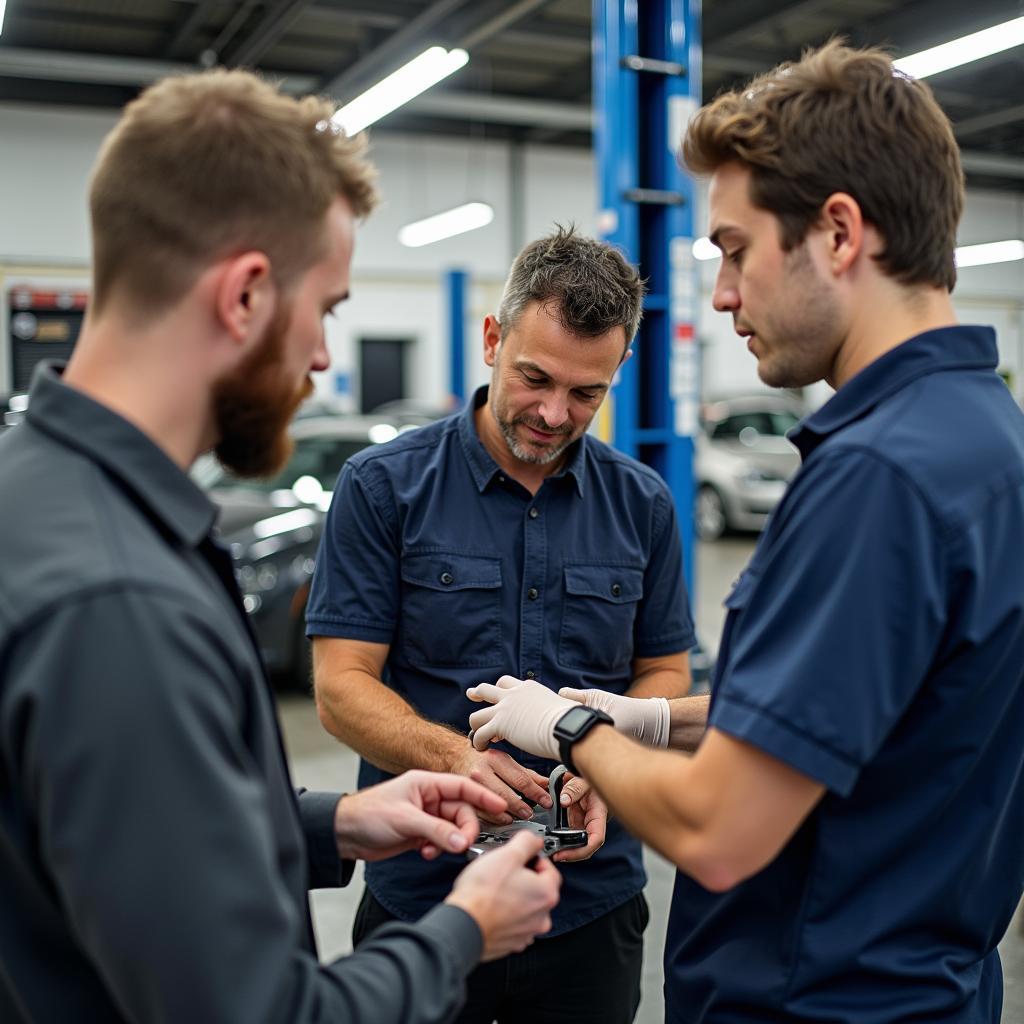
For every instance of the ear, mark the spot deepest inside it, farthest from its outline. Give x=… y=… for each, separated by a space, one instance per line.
x=245 y=296
x=492 y=339
x=626 y=358
x=843 y=225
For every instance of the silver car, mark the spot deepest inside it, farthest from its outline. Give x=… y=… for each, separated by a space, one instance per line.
x=743 y=462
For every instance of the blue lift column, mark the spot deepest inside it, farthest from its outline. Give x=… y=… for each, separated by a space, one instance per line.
x=455 y=289
x=647 y=80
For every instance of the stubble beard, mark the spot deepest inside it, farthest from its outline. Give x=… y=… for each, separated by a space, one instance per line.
x=253 y=407
x=541 y=457
x=800 y=344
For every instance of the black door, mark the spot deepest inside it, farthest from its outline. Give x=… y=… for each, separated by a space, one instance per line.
x=381 y=371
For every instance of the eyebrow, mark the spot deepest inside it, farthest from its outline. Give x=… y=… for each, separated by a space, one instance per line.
x=525 y=364
x=715 y=238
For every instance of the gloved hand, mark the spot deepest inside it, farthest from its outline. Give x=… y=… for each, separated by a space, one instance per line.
x=646 y=719
x=523 y=712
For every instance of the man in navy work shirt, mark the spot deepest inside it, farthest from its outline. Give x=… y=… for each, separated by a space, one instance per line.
x=507 y=539
x=848 y=832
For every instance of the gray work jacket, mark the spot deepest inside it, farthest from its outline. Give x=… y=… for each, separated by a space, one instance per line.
x=154 y=857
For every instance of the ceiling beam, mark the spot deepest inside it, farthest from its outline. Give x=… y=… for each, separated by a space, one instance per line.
x=57 y=66
x=393 y=49
x=274 y=23
x=494 y=25
x=737 y=22
x=995 y=119
x=472 y=106
x=996 y=164
x=196 y=18
x=576 y=43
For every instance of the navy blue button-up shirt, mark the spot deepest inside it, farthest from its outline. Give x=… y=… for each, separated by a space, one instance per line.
x=876 y=644
x=429 y=547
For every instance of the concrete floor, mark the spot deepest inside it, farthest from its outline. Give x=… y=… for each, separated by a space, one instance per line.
x=319 y=762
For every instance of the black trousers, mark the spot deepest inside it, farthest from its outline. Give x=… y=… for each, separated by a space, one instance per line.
x=587 y=976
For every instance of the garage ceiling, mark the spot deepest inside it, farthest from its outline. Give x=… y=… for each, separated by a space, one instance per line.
x=529 y=71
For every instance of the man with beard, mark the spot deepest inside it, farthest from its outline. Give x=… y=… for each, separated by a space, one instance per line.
x=506 y=538
x=848 y=832
x=154 y=858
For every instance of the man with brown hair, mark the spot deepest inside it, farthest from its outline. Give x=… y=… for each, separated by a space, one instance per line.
x=848 y=831
x=154 y=858
x=507 y=538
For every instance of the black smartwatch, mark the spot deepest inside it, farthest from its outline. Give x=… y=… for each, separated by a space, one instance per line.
x=573 y=726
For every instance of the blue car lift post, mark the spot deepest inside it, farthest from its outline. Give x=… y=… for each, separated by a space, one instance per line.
x=647 y=82
x=455 y=282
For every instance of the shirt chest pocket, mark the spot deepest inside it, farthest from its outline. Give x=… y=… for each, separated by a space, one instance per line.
x=451 y=610
x=736 y=600
x=598 y=615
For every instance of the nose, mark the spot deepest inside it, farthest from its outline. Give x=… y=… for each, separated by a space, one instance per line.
x=554 y=409
x=321 y=357
x=726 y=296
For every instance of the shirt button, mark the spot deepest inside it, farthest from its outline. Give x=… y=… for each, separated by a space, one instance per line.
x=534 y=513
x=531 y=674
x=616 y=590
x=446 y=578
x=533 y=593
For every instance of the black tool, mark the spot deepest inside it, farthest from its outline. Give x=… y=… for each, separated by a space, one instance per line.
x=556 y=831
x=567 y=837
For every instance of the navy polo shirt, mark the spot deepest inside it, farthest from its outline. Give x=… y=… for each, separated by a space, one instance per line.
x=429 y=547
x=875 y=643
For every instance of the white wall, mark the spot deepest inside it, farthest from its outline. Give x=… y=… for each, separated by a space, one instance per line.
x=45 y=157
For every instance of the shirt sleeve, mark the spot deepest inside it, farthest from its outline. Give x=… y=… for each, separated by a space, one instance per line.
x=833 y=626
x=356 y=589
x=664 y=624
x=154 y=831
x=326 y=869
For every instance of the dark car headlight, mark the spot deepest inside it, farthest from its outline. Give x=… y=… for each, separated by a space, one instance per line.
x=255 y=579
x=753 y=475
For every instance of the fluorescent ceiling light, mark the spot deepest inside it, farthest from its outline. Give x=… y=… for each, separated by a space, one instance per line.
x=963 y=50
x=444 y=225
x=705 y=249
x=429 y=68
x=3 y=4
x=989 y=252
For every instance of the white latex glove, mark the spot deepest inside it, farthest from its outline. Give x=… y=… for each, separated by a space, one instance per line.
x=646 y=719
x=523 y=712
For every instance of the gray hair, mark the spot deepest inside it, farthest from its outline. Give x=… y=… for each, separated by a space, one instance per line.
x=591 y=283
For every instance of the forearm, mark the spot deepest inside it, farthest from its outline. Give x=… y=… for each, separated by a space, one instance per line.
x=648 y=791
x=407 y=973
x=665 y=676
x=383 y=727
x=688 y=722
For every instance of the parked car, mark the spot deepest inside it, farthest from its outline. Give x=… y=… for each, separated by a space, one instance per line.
x=273 y=527
x=743 y=462
x=13 y=408
x=413 y=412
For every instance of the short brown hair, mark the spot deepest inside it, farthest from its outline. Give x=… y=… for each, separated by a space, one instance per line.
x=844 y=120
x=203 y=165
x=592 y=285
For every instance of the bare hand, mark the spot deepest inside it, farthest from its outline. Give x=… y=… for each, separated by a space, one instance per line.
x=587 y=811
x=510 y=902
x=421 y=810
x=506 y=777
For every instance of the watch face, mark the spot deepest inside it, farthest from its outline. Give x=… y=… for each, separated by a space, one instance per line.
x=574 y=720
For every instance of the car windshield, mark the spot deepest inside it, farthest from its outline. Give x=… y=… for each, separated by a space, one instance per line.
x=774 y=423
x=318 y=457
